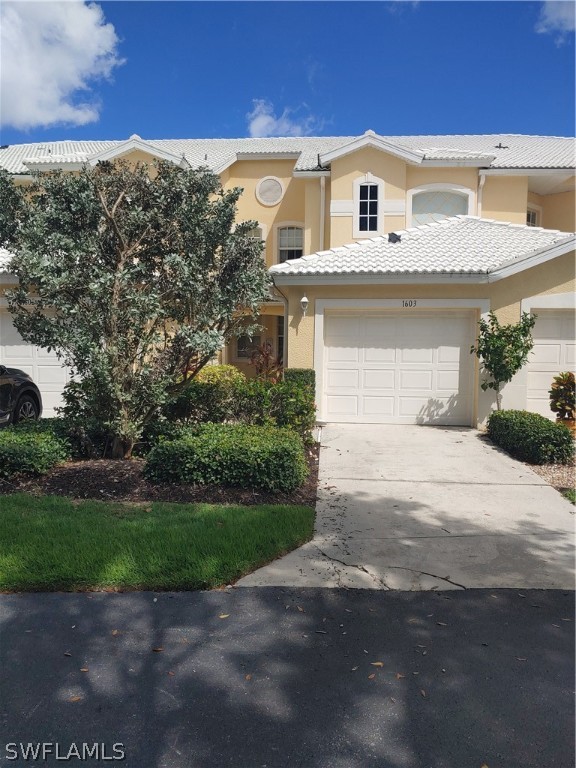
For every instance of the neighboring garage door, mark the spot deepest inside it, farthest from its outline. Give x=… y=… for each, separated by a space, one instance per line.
x=395 y=369
x=44 y=367
x=553 y=352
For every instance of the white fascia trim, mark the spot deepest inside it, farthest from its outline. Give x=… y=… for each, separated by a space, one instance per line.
x=549 y=301
x=310 y=174
x=409 y=279
x=267 y=155
x=539 y=257
x=321 y=305
x=376 y=142
x=454 y=163
x=136 y=144
x=527 y=172
x=56 y=166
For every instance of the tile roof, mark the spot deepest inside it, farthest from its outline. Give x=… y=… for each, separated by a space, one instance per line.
x=492 y=150
x=461 y=245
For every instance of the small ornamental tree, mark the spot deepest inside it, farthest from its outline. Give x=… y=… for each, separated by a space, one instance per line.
x=503 y=350
x=136 y=276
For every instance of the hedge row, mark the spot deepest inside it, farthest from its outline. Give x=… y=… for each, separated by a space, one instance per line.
x=24 y=451
x=531 y=437
x=231 y=455
x=218 y=396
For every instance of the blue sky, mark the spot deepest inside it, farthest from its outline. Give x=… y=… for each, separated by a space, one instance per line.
x=232 y=69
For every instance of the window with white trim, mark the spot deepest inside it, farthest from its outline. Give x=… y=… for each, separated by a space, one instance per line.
x=435 y=205
x=368 y=208
x=290 y=243
x=245 y=346
x=280 y=337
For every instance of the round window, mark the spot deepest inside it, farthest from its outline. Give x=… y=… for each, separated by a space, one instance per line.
x=269 y=190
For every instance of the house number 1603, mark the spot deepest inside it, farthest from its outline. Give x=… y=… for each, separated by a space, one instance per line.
x=408 y=302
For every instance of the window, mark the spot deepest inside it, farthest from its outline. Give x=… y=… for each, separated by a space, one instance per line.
x=280 y=335
x=533 y=217
x=368 y=199
x=368 y=208
x=428 y=207
x=246 y=345
x=256 y=233
x=290 y=243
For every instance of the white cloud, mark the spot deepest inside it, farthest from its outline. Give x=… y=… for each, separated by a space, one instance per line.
x=51 y=52
x=556 y=17
x=262 y=121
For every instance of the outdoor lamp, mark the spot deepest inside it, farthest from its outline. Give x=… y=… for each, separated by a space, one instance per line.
x=304 y=304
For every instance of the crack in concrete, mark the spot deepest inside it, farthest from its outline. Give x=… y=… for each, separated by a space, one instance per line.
x=379 y=579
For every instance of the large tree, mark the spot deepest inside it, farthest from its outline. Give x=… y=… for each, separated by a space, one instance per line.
x=135 y=276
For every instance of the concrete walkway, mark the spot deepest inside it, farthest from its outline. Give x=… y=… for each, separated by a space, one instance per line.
x=420 y=508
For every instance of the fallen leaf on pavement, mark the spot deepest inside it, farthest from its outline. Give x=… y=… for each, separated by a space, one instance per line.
x=520 y=658
x=377 y=663
x=248 y=677
x=299 y=607
x=399 y=676
x=353 y=669
x=423 y=692
x=157 y=650
x=114 y=632
x=67 y=653
x=83 y=669
x=75 y=698
x=441 y=624
x=223 y=615
x=372 y=676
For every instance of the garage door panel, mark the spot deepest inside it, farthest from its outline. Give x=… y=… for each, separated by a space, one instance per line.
x=384 y=354
x=343 y=378
x=375 y=379
x=412 y=379
x=343 y=354
x=422 y=372
x=378 y=406
x=343 y=406
x=553 y=352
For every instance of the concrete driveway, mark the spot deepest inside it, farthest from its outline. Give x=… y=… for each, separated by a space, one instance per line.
x=421 y=508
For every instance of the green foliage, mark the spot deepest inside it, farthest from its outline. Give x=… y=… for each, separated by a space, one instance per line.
x=82 y=441
x=531 y=437
x=248 y=401
x=225 y=375
x=231 y=455
x=302 y=376
x=29 y=451
x=136 y=279
x=503 y=349
x=563 y=395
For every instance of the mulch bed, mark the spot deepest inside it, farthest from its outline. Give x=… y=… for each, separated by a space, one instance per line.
x=106 y=479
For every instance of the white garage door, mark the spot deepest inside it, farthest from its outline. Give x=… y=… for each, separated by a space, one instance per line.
x=553 y=352
x=394 y=369
x=44 y=367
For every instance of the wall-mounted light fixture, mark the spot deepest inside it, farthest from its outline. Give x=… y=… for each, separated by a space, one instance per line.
x=304 y=304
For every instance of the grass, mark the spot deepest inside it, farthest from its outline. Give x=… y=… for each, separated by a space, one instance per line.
x=53 y=543
x=570 y=494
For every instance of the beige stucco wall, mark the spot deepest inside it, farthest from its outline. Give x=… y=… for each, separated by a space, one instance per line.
x=466 y=177
x=291 y=209
x=505 y=198
x=559 y=211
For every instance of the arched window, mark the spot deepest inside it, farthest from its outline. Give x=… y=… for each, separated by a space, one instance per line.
x=368 y=191
x=290 y=241
x=435 y=202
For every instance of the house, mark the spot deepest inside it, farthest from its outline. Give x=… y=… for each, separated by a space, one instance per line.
x=384 y=251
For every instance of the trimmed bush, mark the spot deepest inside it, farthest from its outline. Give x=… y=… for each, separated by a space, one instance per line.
x=531 y=437
x=30 y=451
x=210 y=396
x=231 y=455
x=304 y=377
x=81 y=442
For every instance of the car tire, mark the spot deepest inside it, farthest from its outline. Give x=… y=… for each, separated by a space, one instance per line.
x=26 y=410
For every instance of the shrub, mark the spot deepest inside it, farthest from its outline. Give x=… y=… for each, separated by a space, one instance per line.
x=563 y=395
x=210 y=396
x=305 y=377
x=81 y=442
x=30 y=451
x=292 y=405
x=231 y=455
x=531 y=437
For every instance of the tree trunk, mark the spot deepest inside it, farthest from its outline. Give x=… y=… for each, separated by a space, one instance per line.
x=122 y=448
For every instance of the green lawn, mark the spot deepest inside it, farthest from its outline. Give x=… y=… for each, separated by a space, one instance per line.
x=55 y=543
x=570 y=495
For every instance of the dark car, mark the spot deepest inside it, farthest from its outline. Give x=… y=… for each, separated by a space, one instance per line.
x=20 y=398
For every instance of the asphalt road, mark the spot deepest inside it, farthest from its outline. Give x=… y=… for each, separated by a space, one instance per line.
x=290 y=678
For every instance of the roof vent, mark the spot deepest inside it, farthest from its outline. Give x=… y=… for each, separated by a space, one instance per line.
x=501 y=146
x=394 y=238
